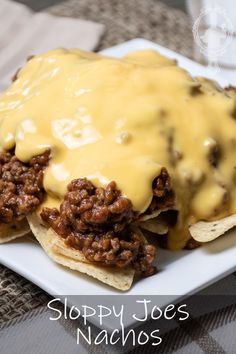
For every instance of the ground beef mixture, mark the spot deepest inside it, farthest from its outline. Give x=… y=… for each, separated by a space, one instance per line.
x=163 y=195
x=21 y=185
x=230 y=88
x=192 y=244
x=98 y=221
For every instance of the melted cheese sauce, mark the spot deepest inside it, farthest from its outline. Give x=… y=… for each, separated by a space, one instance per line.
x=123 y=120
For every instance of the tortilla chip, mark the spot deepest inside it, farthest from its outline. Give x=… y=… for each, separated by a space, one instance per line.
x=154 y=226
x=60 y=247
x=204 y=231
x=9 y=232
x=56 y=249
x=151 y=216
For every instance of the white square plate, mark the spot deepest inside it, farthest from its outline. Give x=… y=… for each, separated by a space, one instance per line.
x=180 y=273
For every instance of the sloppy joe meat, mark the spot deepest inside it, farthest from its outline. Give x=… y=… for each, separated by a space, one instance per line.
x=21 y=185
x=99 y=222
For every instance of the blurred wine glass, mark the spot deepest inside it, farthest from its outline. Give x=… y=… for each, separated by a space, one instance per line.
x=214 y=30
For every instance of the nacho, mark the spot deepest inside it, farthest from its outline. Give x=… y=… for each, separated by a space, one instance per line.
x=9 y=232
x=155 y=226
x=204 y=231
x=55 y=248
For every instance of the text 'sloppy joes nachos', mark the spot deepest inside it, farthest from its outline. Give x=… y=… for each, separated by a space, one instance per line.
x=94 y=150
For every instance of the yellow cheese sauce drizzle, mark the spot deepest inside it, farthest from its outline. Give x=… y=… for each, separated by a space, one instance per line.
x=123 y=120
